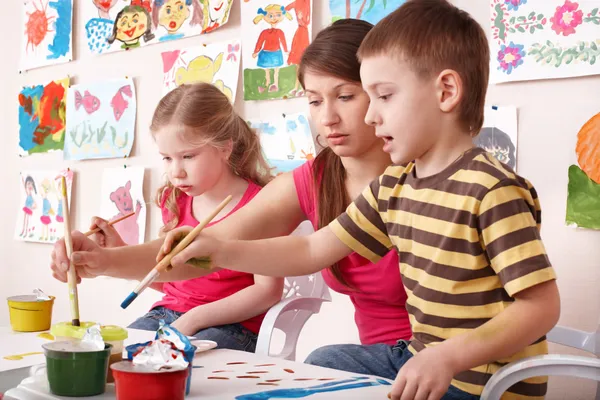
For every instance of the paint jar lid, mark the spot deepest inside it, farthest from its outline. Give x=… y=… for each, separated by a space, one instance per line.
x=27 y=298
x=69 y=346
x=110 y=333
x=128 y=366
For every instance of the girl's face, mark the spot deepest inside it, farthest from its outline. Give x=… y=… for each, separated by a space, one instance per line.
x=274 y=16
x=104 y=5
x=173 y=14
x=131 y=26
x=338 y=108
x=29 y=187
x=194 y=169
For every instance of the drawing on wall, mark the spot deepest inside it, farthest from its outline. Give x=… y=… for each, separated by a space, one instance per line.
x=101 y=120
x=217 y=63
x=47 y=38
x=41 y=217
x=122 y=194
x=115 y=25
x=544 y=39
x=274 y=37
x=499 y=134
x=42 y=112
x=583 y=195
x=287 y=141
x=372 y=11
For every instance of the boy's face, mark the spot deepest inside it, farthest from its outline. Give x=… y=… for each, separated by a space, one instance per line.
x=403 y=108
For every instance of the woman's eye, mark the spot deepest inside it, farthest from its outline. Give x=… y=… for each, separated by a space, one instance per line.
x=188 y=157
x=166 y=158
x=346 y=98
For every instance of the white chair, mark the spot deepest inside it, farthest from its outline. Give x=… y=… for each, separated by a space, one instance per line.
x=302 y=297
x=551 y=364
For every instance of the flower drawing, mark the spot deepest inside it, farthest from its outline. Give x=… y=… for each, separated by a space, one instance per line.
x=566 y=18
x=510 y=57
x=514 y=4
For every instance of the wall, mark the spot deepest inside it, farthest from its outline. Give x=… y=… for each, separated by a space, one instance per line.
x=550 y=114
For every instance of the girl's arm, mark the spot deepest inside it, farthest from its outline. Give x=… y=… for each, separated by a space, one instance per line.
x=241 y=306
x=260 y=42
x=282 y=40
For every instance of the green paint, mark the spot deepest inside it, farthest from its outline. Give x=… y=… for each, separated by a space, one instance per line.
x=583 y=200
x=548 y=53
x=253 y=78
x=498 y=21
x=198 y=262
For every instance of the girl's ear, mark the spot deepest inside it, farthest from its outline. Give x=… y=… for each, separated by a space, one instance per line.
x=227 y=150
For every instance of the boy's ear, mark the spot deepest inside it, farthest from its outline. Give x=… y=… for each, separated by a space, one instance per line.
x=449 y=89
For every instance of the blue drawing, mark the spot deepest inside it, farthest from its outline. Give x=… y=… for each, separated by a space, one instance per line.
x=98 y=30
x=372 y=11
x=61 y=45
x=297 y=393
x=169 y=37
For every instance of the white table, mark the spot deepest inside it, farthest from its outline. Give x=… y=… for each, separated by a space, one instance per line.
x=215 y=363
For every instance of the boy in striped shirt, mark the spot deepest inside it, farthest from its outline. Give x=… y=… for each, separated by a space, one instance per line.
x=481 y=290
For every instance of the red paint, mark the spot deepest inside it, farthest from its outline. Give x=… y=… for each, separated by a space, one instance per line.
x=237 y=363
x=289 y=371
x=37 y=27
x=172 y=24
x=264 y=365
x=257 y=372
x=218 y=377
x=50 y=120
x=150 y=386
x=248 y=377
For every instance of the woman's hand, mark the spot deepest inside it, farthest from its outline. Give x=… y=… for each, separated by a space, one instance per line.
x=89 y=259
x=171 y=239
x=202 y=247
x=107 y=236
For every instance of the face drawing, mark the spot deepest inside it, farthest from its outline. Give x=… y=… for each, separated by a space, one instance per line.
x=173 y=14
x=131 y=26
x=217 y=9
x=274 y=16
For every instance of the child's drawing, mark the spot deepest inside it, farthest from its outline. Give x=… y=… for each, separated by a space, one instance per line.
x=372 y=11
x=122 y=194
x=217 y=63
x=47 y=26
x=499 y=134
x=41 y=217
x=273 y=43
x=544 y=39
x=101 y=121
x=42 y=111
x=115 y=25
x=286 y=141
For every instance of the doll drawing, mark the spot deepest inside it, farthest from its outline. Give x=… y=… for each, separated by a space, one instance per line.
x=216 y=13
x=499 y=144
x=29 y=206
x=132 y=24
x=203 y=69
x=301 y=37
x=47 y=188
x=172 y=14
x=128 y=228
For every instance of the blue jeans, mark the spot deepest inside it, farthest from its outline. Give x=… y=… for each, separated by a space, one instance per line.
x=233 y=336
x=377 y=359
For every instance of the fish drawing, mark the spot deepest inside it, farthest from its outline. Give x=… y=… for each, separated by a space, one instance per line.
x=118 y=103
x=89 y=102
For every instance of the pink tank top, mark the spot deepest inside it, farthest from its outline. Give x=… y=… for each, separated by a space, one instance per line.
x=378 y=296
x=182 y=296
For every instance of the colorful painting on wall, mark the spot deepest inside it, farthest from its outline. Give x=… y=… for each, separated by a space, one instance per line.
x=116 y=25
x=47 y=33
x=122 y=194
x=287 y=142
x=217 y=63
x=101 y=120
x=372 y=11
x=499 y=134
x=544 y=39
x=41 y=218
x=42 y=111
x=583 y=195
x=274 y=37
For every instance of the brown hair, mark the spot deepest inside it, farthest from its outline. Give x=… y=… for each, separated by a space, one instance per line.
x=209 y=119
x=433 y=35
x=333 y=52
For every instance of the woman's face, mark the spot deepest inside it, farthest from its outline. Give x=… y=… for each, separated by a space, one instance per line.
x=131 y=26
x=338 y=108
x=173 y=14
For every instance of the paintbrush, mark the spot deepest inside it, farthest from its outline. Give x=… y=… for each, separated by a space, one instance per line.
x=165 y=263
x=72 y=273
x=111 y=223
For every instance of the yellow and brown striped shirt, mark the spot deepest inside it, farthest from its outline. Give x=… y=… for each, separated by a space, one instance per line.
x=468 y=240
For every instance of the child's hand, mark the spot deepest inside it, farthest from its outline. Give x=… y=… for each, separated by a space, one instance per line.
x=201 y=247
x=89 y=258
x=254 y=55
x=426 y=376
x=174 y=236
x=108 y=235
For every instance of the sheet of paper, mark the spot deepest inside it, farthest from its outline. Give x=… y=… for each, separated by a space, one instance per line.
x=544 y=39
x=274 y=37
x=42 y=117
x=47 y=38
x=41 y=216
x=372 y=11
x=100 y=120
x=216 y=63
x=122 y=193
x=499 y=134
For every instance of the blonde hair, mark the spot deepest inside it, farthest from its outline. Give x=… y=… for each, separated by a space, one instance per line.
x=260 y=14
x=210 y=119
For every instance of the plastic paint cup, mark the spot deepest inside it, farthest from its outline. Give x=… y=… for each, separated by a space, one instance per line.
x=136 y=382
x=75 y=370
x=28 y=314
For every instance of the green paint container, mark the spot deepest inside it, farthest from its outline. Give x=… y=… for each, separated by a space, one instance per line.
x=75 y=370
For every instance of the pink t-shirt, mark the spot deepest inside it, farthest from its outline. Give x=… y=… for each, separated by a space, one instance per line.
x=182 y=296
x=378 y=296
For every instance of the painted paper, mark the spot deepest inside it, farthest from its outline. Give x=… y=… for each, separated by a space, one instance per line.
x=116 y=25
x=41 y=217
x=372 y=11
x=543 y=39
x=42 y=111
x=274 y=37
x=122 y=194
x=47 y=38
x=499 y=134
x=583 y=195
x=286 y=141
x=101 y=120
x=217 y=63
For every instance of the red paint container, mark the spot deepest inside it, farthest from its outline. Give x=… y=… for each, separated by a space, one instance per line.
x=135 y=382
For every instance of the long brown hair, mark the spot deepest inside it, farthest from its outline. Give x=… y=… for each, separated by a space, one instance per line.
x=209 y=119
x=333 y=52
